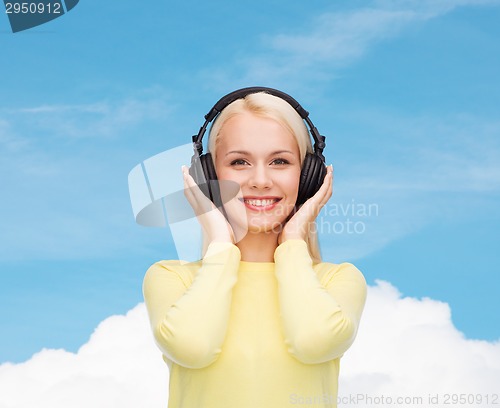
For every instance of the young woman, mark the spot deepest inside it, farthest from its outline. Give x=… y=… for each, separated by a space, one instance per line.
x=260 y=321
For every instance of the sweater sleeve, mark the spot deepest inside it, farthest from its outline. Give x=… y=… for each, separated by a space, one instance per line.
x=189 y=321
x=320 y=319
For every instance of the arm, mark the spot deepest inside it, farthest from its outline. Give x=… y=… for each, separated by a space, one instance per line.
x=320 y=320
x=189 y=323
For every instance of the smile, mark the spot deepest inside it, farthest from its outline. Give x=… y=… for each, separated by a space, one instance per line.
x=260 y=204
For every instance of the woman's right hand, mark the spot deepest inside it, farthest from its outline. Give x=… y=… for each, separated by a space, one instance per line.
x=210 y=218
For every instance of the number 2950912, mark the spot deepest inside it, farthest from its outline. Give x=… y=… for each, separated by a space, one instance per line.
x=33 y=8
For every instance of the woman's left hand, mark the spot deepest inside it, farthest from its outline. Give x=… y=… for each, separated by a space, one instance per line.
x=297 y=227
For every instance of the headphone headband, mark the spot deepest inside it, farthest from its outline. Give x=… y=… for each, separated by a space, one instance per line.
x=241 y=93
x=319 y=141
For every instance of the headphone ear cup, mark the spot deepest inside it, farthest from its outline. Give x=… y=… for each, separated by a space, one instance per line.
x=197 y=171
x=311 y=177
x=203 y=172
x=303 y=179
x=208 y=166
x=321 y=174
x=211 y=179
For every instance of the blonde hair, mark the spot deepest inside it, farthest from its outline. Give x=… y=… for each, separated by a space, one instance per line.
x=271 y=107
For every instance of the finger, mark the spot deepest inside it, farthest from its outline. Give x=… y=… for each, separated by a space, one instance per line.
x=313 y=206
x=199 y=201
x=188 y=179
x=192 y=188
x=310 y=210
x=329 y=182
x=325 y=191
x=326 y=187
x=189 y=187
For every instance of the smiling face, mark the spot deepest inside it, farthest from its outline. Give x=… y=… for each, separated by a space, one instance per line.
x=262 y=156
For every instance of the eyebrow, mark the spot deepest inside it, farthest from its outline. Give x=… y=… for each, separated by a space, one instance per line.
x=244 y=152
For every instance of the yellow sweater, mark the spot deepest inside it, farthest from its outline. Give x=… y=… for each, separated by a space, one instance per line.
x=250 y=334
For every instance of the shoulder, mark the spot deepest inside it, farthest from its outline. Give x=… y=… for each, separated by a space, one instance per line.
x=345 y=282
x=329 y=272
x=168 y=269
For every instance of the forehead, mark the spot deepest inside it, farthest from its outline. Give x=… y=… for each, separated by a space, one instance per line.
x=249 y=132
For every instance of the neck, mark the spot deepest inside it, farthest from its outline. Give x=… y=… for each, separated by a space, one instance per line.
x=258 y=247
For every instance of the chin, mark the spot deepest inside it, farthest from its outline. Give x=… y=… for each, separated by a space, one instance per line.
x=267 y=227
x=259 y=222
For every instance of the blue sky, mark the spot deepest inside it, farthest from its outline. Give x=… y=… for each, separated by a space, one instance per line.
x=407 y=93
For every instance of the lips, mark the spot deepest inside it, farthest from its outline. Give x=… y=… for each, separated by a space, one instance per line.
x=260 y=203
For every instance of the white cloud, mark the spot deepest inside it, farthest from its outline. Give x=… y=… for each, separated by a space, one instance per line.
x=339 y=38
x=99 y=119
x=431 y=8
x=409 y=348
x=118 y=367
x=405 y=347
x=330 y=40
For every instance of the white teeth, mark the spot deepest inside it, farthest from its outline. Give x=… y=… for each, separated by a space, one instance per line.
x=260 y=203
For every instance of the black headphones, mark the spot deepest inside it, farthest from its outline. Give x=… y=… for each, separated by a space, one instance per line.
x=202 y=166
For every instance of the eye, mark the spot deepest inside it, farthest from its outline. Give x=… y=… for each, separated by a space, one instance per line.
x=280 y=162
x=238 y=162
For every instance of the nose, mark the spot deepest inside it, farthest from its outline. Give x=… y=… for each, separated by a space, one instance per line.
x=260 y=177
